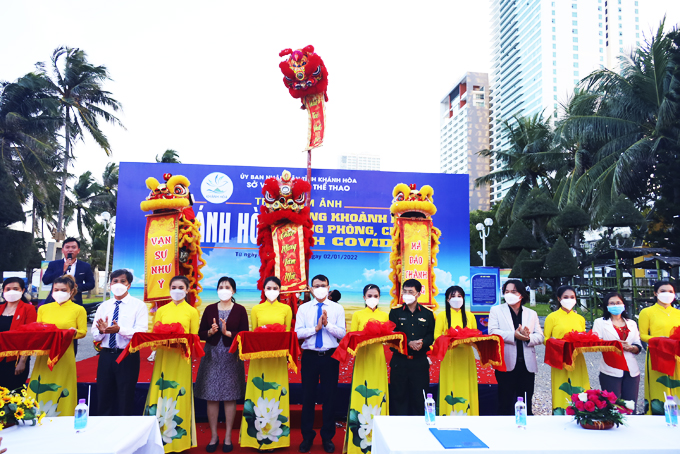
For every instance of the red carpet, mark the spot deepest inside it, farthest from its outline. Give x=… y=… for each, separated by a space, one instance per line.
x=87 y=370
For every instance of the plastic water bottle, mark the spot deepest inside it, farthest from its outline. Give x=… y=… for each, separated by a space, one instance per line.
x=521 y=413
x=670 y=408
x=80 y=420
x=430 y=410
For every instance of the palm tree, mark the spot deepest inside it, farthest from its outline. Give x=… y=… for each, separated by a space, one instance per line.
x=80 y=209
x=107 y=192
x=625 y=121
x=170 y=156
x=77 y=84
x=530 y=161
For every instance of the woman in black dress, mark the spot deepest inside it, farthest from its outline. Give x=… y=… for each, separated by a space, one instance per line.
x=221 y=376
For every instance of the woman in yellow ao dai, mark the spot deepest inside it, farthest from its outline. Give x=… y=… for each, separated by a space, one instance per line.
x=266 y=413
x=458 y=393
x=557 y=325
x=370 y=396
x=171 y=390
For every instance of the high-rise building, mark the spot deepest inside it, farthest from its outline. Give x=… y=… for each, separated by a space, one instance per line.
x=359 y=162
x=464 y=130
x=541 y=49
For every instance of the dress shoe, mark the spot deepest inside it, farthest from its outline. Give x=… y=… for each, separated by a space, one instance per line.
x=212 y=447
x=328 y=446
x=305 y=446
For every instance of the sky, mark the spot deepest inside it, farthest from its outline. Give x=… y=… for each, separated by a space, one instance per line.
x=202 y=78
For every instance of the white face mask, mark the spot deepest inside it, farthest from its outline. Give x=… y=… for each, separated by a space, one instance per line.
x=225 y=294
x=511 y=298
x=372 y=302
x=320 y=293
x=177 y=294
x=272 y=295
x=456 y=302
x=12 y=295
x=666 y=297
x=119 y=289
x=568 y=303
x=61 y=297
x=408 y=299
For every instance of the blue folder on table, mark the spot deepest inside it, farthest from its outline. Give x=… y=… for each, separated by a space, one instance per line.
x=457 y=438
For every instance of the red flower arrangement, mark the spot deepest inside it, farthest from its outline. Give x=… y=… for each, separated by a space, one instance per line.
x=596 y=409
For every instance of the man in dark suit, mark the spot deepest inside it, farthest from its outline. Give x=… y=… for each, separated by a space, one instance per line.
x=81 y=271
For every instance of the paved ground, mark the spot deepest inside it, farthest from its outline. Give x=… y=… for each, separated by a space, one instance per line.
x=542 y=404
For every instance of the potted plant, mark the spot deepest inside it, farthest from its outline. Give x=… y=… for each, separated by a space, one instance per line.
x=599 y=410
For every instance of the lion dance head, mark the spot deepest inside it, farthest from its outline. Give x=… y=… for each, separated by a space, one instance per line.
x=304 y=73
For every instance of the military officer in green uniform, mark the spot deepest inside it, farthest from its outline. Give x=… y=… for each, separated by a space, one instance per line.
x=410 y=375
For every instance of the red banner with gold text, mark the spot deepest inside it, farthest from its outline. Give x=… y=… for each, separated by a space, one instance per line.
x=290 y=257
x=316 y=108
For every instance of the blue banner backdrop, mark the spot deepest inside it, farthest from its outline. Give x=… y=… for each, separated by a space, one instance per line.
x=351 y=216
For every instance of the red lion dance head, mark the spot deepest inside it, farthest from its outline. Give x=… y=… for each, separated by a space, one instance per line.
x=304 y=73
x=285 y=207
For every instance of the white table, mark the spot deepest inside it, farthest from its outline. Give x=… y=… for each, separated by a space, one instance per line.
x=104 y=434
x=553 y=434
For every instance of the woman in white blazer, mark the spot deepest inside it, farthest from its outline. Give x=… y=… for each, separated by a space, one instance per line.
x=615 y=325
x=521 y=331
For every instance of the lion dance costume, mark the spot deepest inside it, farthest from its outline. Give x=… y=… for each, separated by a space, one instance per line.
x=285 y=236
x=306 y=77
x=415 y=242
x=172 y=240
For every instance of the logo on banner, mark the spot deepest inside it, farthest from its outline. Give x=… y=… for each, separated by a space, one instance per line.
x=217 y=187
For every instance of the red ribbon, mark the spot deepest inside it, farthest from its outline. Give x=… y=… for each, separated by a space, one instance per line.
x=456 y=333
x=489 y=346
x=273 y=328
x=664 y=352
x=561 y=353
x=373 y=329
x=168 y=328
x=575 y=336
x=35 y=326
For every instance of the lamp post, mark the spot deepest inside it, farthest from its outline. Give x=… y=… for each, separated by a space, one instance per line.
x=483 y=233
x=109 y=223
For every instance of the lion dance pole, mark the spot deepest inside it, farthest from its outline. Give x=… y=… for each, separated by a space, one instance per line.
x=172 y=241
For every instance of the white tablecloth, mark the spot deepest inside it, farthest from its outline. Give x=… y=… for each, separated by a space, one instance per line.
x=553 y=434
x=104 y=435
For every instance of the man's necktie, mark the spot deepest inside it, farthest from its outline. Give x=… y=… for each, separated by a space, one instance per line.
x=112 y=337
x=319 y=334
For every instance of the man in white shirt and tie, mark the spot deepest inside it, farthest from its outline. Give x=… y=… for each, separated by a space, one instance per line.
x=320 y=323
x=116 y=321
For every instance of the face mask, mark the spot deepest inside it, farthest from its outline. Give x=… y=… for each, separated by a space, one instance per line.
x=177 y=294
x=12 y=295
x=408 y=299
x=616 y=310
x=666 y=297
x=568 y=303
x=224 y=294
x=372 y=302
x=320 y=293
x=511 y=298
x=271 y=295
x=456 y=302
x=61 y=297
x=119 y=289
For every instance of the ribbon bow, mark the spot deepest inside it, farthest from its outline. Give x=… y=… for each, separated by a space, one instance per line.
x=273 y=328
x=35 y=326
x=575 y=336
x=168 y=328
x=375 y=328
x=463 y=333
